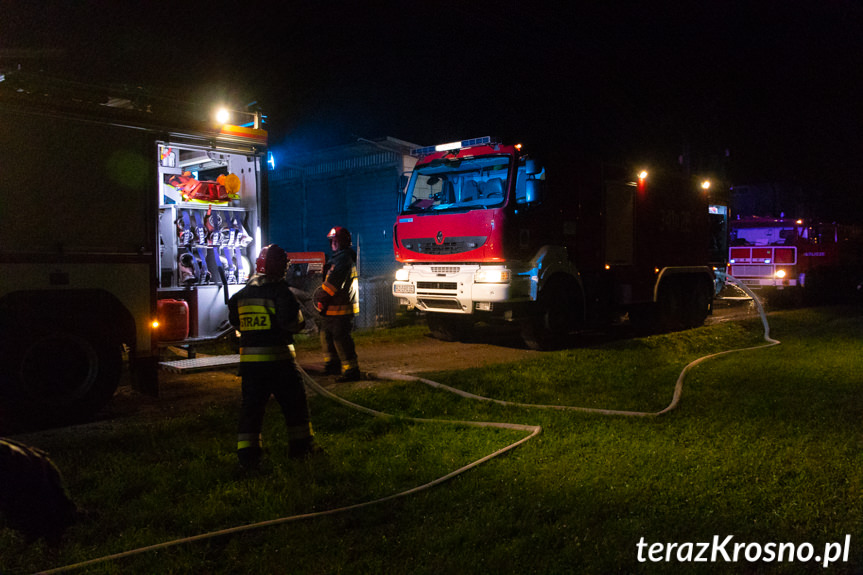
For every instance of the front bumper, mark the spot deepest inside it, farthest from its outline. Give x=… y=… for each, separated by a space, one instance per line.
x=453 y=288
x=767 y=282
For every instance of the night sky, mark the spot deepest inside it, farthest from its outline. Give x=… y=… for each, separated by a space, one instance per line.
x=769 y=91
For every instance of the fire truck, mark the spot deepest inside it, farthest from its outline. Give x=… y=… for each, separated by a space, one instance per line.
x=793 y=254
x=129 y=221
x=484 y=235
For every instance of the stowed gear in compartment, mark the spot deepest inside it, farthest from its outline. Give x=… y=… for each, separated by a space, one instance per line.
x=208 y=243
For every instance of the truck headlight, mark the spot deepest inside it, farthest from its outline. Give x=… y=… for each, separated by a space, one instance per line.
x=402 y=275
x=491 y=276
x=780 y=274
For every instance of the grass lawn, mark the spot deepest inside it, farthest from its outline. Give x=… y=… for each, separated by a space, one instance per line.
x=766 y=447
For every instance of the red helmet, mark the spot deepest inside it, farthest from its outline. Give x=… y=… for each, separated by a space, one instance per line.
x=272 y=261
x=341 y=235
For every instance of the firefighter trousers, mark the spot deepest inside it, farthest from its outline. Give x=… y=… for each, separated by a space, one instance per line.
x=279 y=379
x=337 y=343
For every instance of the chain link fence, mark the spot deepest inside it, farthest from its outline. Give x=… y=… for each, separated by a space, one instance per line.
x=378 y=307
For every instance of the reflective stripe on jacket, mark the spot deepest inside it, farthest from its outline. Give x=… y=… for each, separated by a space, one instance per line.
x=267 y=353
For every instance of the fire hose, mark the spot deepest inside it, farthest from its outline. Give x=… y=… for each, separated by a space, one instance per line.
x=533 y=431
x=678 y=387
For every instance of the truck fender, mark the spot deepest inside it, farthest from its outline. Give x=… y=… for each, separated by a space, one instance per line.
x=702 y=272
x=547 y=262
x=62 y=352
x=556 y=287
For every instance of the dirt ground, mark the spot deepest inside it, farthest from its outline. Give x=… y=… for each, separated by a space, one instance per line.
x=180 y=393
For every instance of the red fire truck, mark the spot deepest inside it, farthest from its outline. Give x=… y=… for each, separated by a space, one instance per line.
x=791 y=254
x=484 y=235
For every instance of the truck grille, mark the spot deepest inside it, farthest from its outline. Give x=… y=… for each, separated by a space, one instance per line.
x=765 y=271
x=437 y=285
x=455 y=245
x=440 y=303
x=445 y=269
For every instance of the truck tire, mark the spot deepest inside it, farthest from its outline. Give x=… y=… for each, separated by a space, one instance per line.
x=697 y=301
x=449 y=327
x=684 y=303
x=555 y=317
x=62 y=374
x=672 y=304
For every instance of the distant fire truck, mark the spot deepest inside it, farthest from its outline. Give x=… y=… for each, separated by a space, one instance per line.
x=784 y=253
x=483 y=236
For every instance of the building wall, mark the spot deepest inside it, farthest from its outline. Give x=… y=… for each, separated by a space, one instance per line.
x=286 y=199
x=355 y=186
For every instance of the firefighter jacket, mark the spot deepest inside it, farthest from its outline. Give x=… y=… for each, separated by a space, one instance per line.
x=267 y=315
x=339 y=294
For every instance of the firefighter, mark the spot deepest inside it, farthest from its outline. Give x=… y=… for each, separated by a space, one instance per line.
x=338 y=302
x=267 y=314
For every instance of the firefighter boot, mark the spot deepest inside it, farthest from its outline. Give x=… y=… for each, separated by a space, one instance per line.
x=350 y=374
x=332 y=368
x=249 y=458
x=303 y=448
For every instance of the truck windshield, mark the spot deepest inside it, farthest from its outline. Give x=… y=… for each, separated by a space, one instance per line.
x=457 y=184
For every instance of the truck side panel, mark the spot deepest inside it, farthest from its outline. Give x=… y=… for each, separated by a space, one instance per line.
x=79 y=197
x=74 y=186
x=78 y=259
x=619 y=233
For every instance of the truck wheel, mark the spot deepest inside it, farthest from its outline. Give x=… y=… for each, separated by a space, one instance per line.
x=449 y=327
x=555 y=318
x=672 y=307
x=698 y=303
x=64 y=374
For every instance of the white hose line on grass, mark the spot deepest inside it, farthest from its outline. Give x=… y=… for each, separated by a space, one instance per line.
x=533 y=429
x=678 y=387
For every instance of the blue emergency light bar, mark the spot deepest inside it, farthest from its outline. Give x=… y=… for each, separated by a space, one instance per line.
x=454 y=146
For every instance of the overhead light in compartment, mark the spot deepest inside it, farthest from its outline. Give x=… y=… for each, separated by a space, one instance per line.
x=193 y=161
x=200 y=158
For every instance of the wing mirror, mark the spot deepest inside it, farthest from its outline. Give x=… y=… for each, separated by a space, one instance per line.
x=531 y=167
x=532 y=191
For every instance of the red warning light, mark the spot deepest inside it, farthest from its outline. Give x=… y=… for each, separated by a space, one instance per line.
x=642 y=180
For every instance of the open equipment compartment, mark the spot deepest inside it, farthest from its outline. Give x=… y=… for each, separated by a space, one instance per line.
x=209 y=229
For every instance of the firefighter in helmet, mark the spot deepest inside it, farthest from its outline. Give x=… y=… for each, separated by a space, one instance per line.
x=267 y=314
x=338 y=302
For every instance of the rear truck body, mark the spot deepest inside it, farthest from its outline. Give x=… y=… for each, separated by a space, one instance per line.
x=93 y=239
x=485 y=235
